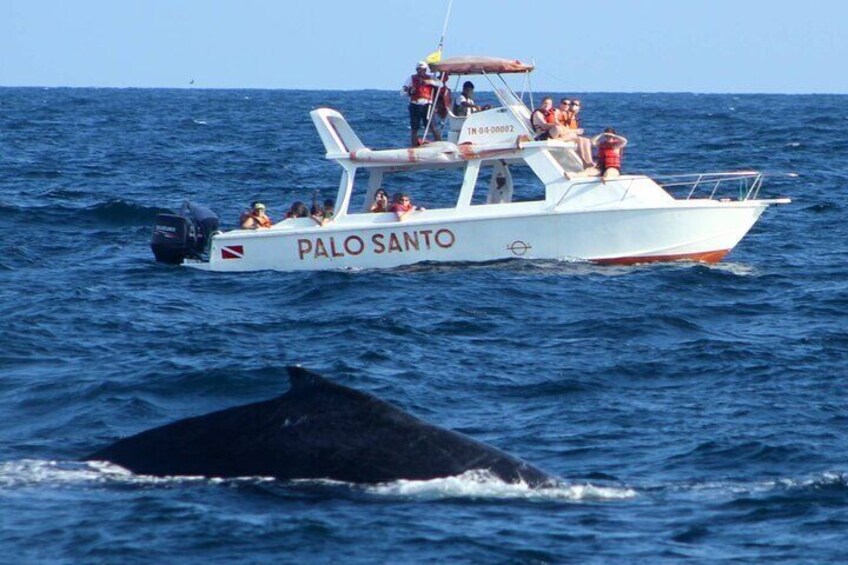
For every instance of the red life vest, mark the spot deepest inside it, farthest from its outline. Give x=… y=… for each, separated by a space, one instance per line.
x=400 y=208
x=420 y=88
x=608 y=156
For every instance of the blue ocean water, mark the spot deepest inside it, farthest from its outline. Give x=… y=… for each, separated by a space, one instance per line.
x=693 y=412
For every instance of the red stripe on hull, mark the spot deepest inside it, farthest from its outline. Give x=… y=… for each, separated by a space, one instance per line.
x=704 y=257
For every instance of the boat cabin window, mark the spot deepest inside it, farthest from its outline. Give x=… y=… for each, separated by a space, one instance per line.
x=498 y=183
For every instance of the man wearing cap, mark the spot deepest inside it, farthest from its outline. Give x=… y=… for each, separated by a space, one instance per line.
x=255 y=218
x=420 y=88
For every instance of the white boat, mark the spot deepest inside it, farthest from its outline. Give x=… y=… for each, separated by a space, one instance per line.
x=627 y=220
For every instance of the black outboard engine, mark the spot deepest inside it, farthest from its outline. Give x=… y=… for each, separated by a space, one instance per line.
x=177 y=236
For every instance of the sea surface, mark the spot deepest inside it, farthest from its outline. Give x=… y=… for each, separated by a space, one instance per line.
x=695 y=413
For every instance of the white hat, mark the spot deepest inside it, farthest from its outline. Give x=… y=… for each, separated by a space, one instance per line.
x=421 y=65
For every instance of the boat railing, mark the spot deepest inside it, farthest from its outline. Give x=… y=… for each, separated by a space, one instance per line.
x=741 y=185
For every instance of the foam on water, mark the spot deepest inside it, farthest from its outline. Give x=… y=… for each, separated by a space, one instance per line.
x=47 y=473
x=482 y=484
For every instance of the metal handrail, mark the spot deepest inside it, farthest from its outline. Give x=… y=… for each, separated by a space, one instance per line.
x=750 y=182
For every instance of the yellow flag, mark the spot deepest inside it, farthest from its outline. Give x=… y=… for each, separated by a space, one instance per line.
x=434 y=57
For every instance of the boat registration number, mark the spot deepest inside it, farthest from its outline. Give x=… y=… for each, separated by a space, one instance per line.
x=484 y=130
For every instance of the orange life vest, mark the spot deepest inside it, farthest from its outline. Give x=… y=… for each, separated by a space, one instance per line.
x=609 y=156
x=420 y=88
x=265 y=223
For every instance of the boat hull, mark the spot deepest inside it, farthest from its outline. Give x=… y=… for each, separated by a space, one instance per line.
x=694 y=231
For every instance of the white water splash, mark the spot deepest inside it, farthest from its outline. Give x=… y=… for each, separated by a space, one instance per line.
x=32 y=472
x=36 y=472
x=473 y=484
x=482 y=484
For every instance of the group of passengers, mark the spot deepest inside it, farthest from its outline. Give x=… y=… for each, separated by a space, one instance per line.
x=562 y=123
x=547 y=122
x=256 y=217
x=401 y=205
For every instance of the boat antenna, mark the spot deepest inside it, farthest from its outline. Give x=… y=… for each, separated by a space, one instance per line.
x=436 y=55
x=445 y=27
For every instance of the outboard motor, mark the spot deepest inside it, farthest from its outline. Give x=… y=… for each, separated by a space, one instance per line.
x=177 y=236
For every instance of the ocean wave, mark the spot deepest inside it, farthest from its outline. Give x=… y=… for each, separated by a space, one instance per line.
x=722 y=455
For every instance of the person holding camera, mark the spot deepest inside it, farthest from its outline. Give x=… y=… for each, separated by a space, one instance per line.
x=381 y=202
x=402 y=206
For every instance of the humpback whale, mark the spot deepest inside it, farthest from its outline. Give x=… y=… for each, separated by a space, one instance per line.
x=316 y=430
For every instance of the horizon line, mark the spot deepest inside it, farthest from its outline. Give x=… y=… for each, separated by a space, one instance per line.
x=253 y=88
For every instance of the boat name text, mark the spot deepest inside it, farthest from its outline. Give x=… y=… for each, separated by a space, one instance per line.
x=378 y=243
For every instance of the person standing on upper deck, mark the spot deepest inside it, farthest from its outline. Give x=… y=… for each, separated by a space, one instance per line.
x=421 y=89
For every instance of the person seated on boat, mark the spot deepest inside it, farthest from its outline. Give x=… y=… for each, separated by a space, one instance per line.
x=255 y=218
x=402 y=206
x=421 y=89
x=381 y=202
x=465 y=103
x=610 y=147
x=323 y=215
x=297 y=210
x=544 y=121
x=567 y=117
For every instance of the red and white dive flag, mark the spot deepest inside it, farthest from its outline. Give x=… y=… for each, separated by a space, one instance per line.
x=232 y=252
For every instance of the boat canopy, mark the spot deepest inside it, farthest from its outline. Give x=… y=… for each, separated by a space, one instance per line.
x=476 y=65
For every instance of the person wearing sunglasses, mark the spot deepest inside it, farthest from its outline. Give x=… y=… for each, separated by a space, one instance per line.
x=564 y=115
x=402 y=206
x=569 y=120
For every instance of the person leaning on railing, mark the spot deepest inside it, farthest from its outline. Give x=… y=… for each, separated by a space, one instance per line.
x=402 y=206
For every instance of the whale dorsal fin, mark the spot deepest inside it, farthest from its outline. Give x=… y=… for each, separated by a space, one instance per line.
x=302 y=379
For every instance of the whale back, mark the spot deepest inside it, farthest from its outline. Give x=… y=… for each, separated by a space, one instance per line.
x=316 y=430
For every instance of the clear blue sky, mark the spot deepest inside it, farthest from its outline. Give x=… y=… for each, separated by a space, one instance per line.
x=613 y=46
